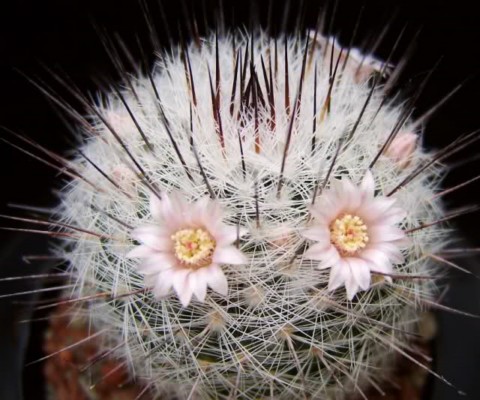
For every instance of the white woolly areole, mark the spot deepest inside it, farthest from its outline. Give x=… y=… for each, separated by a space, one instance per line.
x=279 y=331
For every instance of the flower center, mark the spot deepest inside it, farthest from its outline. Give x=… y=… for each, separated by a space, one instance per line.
x=194 y=247
x=349 y=234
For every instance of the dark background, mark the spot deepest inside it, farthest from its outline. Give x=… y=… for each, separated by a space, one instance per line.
x=60 y=35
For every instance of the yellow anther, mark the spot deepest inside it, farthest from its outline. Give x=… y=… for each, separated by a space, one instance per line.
x=193 y=247
x=349 y=234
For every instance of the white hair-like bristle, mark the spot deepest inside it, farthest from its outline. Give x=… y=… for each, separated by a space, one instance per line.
x=279 y=333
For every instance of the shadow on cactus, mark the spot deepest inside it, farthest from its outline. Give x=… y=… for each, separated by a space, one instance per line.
x=254 y=218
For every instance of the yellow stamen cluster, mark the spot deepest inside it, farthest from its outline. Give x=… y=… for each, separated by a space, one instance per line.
x=349 y=234
x=194 y=247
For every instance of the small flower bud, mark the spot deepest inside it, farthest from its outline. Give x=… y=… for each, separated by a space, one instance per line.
x=402 y=148
x=124 y=177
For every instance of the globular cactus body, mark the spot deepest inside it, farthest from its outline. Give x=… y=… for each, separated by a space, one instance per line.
x=255 y=144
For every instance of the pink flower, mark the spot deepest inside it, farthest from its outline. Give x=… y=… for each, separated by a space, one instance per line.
x=185 y=247
x=402 y=148
x=355 y=233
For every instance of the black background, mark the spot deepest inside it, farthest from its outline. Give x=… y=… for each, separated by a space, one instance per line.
x=60 y=35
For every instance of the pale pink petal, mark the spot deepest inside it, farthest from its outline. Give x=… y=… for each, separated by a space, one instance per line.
x=161 y=291
x=186 y=296
x=403 y=242
x=384 y=233
x=226 y=235
x=319 y=233
x=378 y=261
x=149 y=268
x=336 y=188
x=351 y=284
x=163 y=284
x=204 y=205
x=141 y=252
x=338 y=276
x=392 y=251
x=335 y=192
x=217 y=280
x=331 y=205
x=172 y=210
x=319 y=209
x=228 y=255
x=213 y=212
x=375 y=209
x=156 y=263
x=338 y=197
x=329 y=258
x=351 y=194
x=153 y=236
x=167 y=206
x=143 y=230
x=181 y=286
x=206 y=213
x=156 y=207
x=199 y=213
x=321 y=252
x=396 y=211
x=197 y=280
x=324 y=213
x=361 y=272
x=392 y=218
x=367 y=186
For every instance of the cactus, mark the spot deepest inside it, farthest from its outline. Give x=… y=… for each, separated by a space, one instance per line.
x=248 y=222
x=253 y=218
